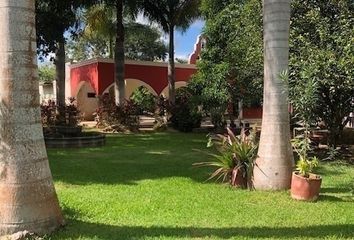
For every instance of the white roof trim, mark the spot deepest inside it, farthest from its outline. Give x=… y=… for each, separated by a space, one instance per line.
x=131 y=62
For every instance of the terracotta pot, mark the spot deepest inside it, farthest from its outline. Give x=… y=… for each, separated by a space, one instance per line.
x=305 y=188
x=238 y=178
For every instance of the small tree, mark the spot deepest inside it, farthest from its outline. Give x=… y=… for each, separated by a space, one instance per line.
x=303 y=97
x=230 y=68
x=322 y=42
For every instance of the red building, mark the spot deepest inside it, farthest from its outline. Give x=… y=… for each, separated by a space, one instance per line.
x=92 y=78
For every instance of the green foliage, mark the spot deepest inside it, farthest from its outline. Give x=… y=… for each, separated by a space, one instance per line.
x=97 y=38
x=46 y=73
x=211 y=88
x=144 y=100
x=121 y=118
x=305 y=164
x=171 y=14
x=322 y=49
x=143 y=42
x=231 y=67
x=181 y=60
x=236 y=153
x=54 y=115
x=184 y=114
x=303 y=97
x=53 y=18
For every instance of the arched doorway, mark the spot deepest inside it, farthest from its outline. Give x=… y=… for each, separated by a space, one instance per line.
x=87 y=100
x=130 y=86
x=179 y=84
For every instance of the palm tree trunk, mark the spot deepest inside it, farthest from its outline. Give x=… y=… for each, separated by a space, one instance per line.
x=171 y=66
x=275 y=156
x=27 y=196
x=110 y=48
x=119 y=57
x=60 y=72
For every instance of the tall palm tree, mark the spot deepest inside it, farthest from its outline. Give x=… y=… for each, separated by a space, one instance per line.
x=27 y=196
x=171 y=15
x=132 y=6
x=100 y=20
x=275 y=157
x=119 y=60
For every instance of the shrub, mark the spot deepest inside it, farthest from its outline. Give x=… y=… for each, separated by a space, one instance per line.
x=184 y=115
x=236 y=157
x=144 y=100
x=54 y=115
x=117 y=118
x=48 y=113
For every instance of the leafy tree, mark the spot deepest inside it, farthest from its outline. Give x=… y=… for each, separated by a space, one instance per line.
x=85 y=47
x=322 y=49
x=144 y=100
x=28 y=200
x=171 y=15
x=142 y=42
x=100 y=24
x=46 y=73
x=230 y=68
x=181 y=60
x=54 y=18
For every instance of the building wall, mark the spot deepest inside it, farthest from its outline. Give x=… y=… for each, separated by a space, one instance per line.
x=46 y=92
x=87 y=101
x=97 y=76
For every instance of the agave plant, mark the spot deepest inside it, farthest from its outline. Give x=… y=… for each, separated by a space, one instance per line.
x=236 y=158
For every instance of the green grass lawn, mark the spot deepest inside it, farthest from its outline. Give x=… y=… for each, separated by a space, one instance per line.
x=144 y=187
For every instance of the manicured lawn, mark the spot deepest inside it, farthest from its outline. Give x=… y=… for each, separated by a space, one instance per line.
x=144 y=187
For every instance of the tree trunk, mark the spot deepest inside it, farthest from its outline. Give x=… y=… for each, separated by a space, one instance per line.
x=60 y=72
x=275 y=156
x=171 y=67
x=27 y=196
x=110 y=48
x=119 y=88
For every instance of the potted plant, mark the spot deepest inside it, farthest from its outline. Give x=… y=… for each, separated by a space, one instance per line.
x=236 y=158
x=305 y=185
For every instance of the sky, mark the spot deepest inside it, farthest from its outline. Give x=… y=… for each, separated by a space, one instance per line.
x=184 y=42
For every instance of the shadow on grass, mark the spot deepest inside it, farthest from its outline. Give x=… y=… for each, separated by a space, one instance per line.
x=127 y=159
x=335 y=190
x=78 y=229
x=331 y=198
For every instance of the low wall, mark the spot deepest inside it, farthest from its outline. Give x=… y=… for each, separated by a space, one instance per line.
x=92 y=140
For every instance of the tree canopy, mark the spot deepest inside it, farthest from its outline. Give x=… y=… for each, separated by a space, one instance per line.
x=230 y=68
x=142 y=42
x=53 y=18
x=322 y=50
